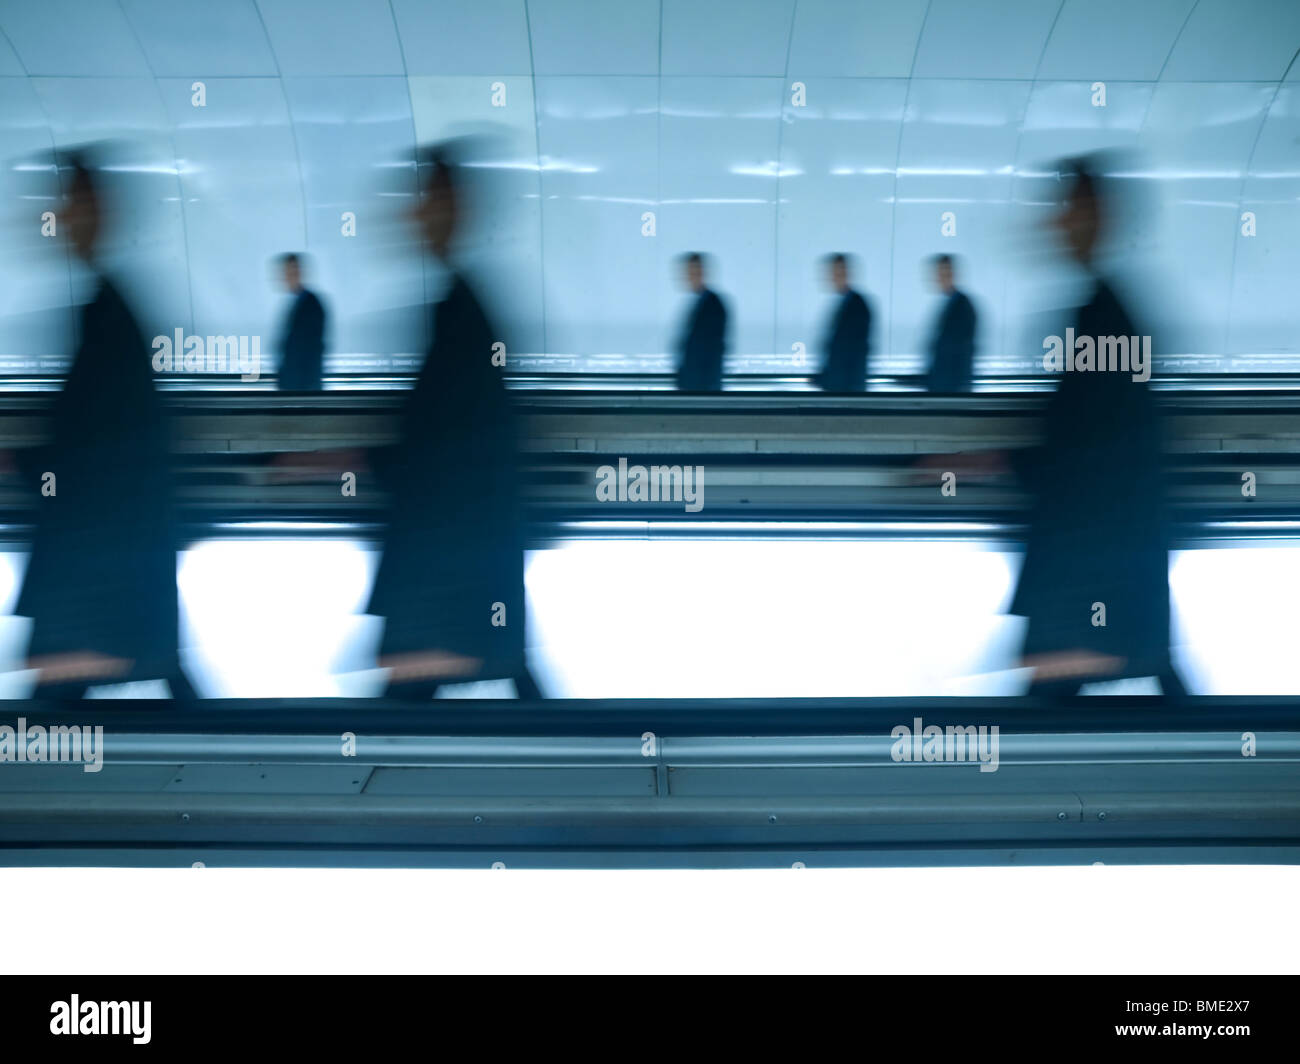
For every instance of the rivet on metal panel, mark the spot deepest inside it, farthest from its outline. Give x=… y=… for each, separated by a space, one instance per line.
x=1062 y=816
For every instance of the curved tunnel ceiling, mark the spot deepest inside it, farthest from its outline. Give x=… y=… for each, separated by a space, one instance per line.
x=911 y=110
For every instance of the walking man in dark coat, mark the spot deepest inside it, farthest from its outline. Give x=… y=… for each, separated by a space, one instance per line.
x=302 y=342
x=952 y=345
x=703 y=339
x=1095 y=579
x=101 y=581
x=450 y=585
x=848 y=338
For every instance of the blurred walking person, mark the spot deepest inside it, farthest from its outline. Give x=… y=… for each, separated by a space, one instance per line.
x=952 y=345
x=847 y=344
x=302 y=340
x=100 y=585
x=703 y=339
x=450 y=585
x=1095 y=579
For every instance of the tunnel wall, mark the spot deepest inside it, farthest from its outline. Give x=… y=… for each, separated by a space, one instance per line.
x=764 y=132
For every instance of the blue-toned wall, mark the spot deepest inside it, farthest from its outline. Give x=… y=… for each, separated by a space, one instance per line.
x=684 y=108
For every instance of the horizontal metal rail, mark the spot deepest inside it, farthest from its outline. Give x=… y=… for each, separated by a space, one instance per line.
x=620 y=718
x=481 y=801
x=766 y=457
x=1021 y=748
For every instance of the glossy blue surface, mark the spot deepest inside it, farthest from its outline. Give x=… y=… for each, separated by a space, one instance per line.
x=764 y=132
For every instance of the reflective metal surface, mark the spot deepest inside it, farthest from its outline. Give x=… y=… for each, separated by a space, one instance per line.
x=478 y=800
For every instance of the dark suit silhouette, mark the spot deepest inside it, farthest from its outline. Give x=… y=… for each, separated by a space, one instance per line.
x=952 y=347
x=102 y=574
x=302 y=345
x=1098 y=529
x=454 y=545
x=702 y=344
x=847 y=345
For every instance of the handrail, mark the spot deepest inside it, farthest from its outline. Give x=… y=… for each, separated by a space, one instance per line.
x=681 y=717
